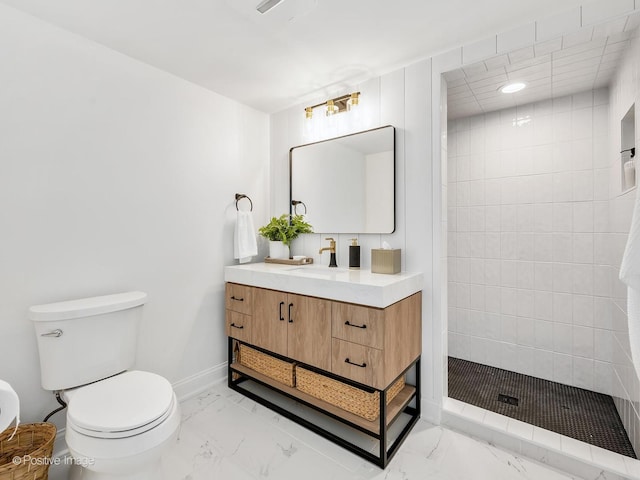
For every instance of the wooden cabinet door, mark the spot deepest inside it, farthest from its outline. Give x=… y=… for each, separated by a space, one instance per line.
x=309 y=336
x=270 y=320
x=358 y=324
x=238 y=298
x=357 y=362
x=238 y=325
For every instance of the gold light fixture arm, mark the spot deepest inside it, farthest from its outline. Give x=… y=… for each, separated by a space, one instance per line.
x=339 y=104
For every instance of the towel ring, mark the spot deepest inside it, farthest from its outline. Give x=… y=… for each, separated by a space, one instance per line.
x=295 y=204
x=240 y=196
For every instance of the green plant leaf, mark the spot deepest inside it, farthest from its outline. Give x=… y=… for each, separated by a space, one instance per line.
x=285 y=228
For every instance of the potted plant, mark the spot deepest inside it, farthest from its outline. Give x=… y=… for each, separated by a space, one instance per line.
x=281 y=230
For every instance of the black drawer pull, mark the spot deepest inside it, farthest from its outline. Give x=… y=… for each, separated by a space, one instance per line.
x=280 y=311
x=346 y=360
x=241 y=299
x=237 y=326
x=352 y=325
x=290 y=319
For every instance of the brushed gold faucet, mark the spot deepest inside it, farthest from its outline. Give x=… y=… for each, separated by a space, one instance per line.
x=332 y=250
x=331 y=247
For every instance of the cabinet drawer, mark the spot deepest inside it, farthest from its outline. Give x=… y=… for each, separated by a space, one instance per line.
x=358 y=324
x=239 y=298
x=238 y=326
x=357 y=362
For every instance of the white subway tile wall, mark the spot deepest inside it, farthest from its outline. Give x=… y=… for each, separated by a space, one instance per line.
x=523 y=267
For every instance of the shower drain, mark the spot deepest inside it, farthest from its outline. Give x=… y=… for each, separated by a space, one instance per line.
x=508 y=399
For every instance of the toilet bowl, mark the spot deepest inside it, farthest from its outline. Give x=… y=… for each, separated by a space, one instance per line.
x=121 y=426
x=119 y=420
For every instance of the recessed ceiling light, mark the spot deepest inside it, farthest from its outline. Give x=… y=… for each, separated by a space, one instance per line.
x=513 y=87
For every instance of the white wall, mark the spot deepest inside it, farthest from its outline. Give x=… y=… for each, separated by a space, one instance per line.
x=624 y=92
x=116 y=176
x=528 y=193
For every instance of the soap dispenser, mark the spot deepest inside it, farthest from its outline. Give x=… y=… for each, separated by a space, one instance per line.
x=354 y=254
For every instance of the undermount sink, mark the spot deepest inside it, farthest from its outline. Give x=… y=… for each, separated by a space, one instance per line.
x=319 y=280
x=317 y=269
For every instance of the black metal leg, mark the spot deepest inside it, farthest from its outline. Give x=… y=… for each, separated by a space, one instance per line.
x=230 y=362
x=415 y=416
x=385 y=454
x=383 y=429
x=418 y=387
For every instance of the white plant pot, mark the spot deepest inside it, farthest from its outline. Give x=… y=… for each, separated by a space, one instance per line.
x=278 y=250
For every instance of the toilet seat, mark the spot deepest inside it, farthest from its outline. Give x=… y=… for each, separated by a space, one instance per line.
x=121 y=406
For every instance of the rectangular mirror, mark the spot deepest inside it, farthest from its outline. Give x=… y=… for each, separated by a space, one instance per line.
x=346 y=184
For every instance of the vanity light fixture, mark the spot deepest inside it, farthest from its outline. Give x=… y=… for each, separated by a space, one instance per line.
x=513 y=87
x=340 y=104
x=331 y=108
x=353 y=101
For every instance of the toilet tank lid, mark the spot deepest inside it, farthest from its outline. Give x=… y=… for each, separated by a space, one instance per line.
x=85 y=307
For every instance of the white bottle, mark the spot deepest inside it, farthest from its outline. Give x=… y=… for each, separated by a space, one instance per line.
x=629 y=174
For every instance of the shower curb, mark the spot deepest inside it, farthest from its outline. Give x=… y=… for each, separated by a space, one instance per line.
x=580 y=462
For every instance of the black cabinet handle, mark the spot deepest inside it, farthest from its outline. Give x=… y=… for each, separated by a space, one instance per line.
x=352 y=325
x=346 y=360
x=290 y=319
x=237 y=326
x=280 y=311
x=241 y=299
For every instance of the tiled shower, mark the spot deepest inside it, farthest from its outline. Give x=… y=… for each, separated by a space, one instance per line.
x=537 y=224
x=528 y=191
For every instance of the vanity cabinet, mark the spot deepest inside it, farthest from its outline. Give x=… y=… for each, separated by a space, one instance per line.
x=295 y=326
x=362 y=346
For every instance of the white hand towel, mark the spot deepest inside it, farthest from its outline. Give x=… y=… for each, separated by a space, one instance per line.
x=9 y=407
x=245 y=245
x=630 y=274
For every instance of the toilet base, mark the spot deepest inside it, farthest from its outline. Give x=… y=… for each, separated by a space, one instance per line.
x=132 y=458
x=152 y=472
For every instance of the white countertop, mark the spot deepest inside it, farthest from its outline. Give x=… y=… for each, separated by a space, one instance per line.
x=353 y=286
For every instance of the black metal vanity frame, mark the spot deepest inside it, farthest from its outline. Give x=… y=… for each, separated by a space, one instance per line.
x=385 y=456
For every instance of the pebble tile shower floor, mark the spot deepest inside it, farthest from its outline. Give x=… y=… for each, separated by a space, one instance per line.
x=581 y=414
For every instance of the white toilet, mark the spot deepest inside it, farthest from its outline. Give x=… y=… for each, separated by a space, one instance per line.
x=119 y=422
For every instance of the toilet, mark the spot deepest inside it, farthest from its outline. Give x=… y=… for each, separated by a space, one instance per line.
x=119 y=421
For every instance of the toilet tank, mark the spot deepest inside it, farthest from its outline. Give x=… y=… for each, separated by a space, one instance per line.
x=82 y=341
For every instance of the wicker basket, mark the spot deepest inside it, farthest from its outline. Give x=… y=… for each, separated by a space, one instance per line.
x=28 y=454
x=351 y=399
x=267 y=365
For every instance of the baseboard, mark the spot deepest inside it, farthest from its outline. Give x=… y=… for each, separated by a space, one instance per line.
x=431 y=412
x=199 y=382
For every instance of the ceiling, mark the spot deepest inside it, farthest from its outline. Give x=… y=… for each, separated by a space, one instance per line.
x=301 y=50
x=574 y=63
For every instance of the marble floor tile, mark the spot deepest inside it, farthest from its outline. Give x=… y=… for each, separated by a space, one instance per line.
x=225 y=435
